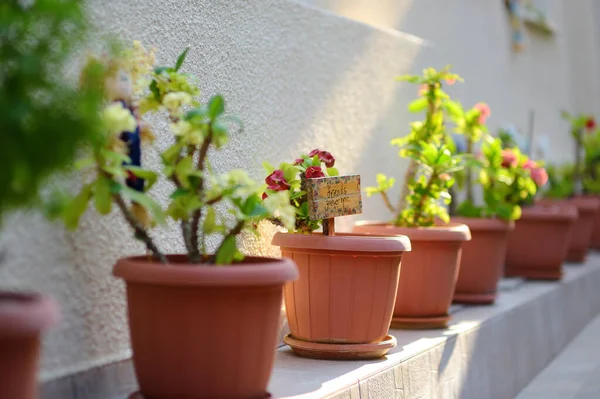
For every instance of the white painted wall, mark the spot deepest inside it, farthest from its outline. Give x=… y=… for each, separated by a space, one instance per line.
x=300 y=78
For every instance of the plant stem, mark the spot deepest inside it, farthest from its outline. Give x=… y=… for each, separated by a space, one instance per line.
x=411 y=172
x=577 y=172
x=232 y=233
x=195 y=256
x=387 y=202
x=421 y=204
x=469 y=173
x=139 y=230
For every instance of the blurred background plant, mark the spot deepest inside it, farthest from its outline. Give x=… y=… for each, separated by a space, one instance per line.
x=44 y=117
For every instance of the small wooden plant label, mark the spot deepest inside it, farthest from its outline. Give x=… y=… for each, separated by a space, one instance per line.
x=329 y=197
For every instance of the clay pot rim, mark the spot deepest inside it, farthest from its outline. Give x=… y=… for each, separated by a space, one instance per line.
x=447 y=232
x=344 y=242
x=585 y=203
x=252 y=272
x=23 y=314
x=485 y=224
x=550 y=212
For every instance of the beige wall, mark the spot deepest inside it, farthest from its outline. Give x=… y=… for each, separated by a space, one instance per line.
x=300 y=78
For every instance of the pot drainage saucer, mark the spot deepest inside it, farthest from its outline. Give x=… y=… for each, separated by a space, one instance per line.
x=420 y=323
x=317 y=350
x=138 y=395
x=474 y=299
x=550 y=273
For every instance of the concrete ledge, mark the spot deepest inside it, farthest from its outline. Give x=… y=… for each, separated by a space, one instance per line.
x=575 y=373
x=488 y=352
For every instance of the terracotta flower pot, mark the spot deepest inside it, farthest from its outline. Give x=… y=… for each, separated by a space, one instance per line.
x=538 y=245
x=23 y=318
x=482 y=260
x=429 y=272
x=587 y=208
x=581 y=237
x=201 y=331
x=595 y=239
x=342 y=304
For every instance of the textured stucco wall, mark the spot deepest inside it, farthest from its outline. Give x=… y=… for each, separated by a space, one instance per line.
x=551 y=74
x=300 y=78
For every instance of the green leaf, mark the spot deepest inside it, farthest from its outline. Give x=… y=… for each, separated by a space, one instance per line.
x=102 y=195
x=210 y=221
x=418 y=105
x=154 y=90
x=148 y=175
x=146 y=202
x=332 y=172
x=77 y=207
x=171 y=154
x=84 y=163
x=268 y=167
x=161 y=69
x=181 y=59
x=216 y=106
x=297 y=194
x=183 y=170
x=180 y=192
x=226 y=252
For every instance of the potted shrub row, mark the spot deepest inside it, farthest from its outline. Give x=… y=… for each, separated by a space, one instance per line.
x=574 y=185
x=192 y=315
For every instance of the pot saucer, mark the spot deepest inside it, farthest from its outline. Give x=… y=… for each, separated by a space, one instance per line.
x=317 y=350
x=420 y=323
x=474 y=299
x=138 y=395
x=554 y=273
x=577 y=255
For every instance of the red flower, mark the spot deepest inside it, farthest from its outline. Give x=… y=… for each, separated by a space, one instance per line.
x=264 y=196
x=313 y=172
x=445 y=177
x=509 y=158
x=276 y=181
x=484 y=112
x=590 y=124
x=450 y=81
x=324 y=156
x=539 y=176
x=298 y=161
x=529 y=165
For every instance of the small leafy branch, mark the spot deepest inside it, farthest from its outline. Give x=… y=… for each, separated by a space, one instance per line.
x=508 y=179
x=428 y=145
x=581 y=126
x=471 y=124
x=115 y=161
x=429 y=190
x=292 y=178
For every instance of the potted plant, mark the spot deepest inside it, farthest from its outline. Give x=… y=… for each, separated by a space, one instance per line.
x=591 y=172
x=539 y=243
x=342 y=303
x=40 y=134
x=500 y=174
x=566 y=188
x=191 y=316
x=429 y=272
